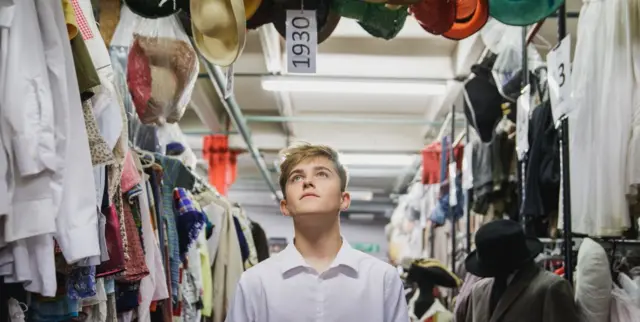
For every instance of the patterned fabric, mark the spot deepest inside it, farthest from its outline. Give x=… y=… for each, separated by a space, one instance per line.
x=100 y=152
x=191 y=220
x=135 y=266
x=83 y=25
x=245 y=224
x=174 y=175
x=81 y=283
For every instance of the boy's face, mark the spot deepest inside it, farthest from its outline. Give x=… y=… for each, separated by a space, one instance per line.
x=313 y=187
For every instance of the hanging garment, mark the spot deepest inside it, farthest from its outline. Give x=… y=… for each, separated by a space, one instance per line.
x=534 y=296
x=600 y=125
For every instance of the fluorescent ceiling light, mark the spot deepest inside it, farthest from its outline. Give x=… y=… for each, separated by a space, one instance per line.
x=361 y=195
x=377 y=159
x=353 y=86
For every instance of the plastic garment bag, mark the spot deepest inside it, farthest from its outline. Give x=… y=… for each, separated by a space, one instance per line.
x=593 y=282
x=599 y=126
x=622 y=307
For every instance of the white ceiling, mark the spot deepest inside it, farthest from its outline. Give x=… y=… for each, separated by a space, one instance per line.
x=352 y=123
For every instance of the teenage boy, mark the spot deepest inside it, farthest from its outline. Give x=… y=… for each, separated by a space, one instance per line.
x=318 y=277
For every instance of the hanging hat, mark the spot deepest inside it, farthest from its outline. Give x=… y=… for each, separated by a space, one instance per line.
x=432 y=271
x=469 y=25
x=522 y=12
x=434 y=16
x=465 y=9
x=327 y=19
x=154 y=9
x=262 y=16
x=219 y=29
x=376 y=19
x=501 y=249
x=250 y=8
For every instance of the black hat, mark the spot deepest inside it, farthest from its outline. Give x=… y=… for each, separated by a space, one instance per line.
x=501 y=249
x=154 y=9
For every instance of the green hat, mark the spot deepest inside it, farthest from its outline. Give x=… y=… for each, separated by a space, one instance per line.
x=522 y=12
x=375 y=18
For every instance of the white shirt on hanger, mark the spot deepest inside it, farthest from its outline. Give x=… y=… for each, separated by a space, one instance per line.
x=356 y=287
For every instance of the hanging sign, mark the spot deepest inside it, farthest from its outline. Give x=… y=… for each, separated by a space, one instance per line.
x=228 y=89
x=522 y=122
x=559 y=66
x=301 y=41
x=453 y=173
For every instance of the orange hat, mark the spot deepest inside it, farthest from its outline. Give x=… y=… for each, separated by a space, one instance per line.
x=463 y=28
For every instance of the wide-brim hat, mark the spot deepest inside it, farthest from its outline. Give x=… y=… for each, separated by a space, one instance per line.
x=501 y=249
x=434 y=16
x=432 y=271
x=466 y=26
x=326 y=18
x=219 y=29
x=154 y=9
x=522 y=12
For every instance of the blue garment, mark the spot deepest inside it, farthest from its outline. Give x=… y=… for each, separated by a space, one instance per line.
x=441 y=211
x=242 y=240
x=81 y=282
x=174 y=175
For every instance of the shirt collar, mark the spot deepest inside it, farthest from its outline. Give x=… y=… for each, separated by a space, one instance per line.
x=291 y=258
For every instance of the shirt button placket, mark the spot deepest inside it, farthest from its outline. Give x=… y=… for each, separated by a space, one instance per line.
x=320 y=300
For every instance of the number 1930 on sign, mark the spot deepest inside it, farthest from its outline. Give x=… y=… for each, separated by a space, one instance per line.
x=301 y=41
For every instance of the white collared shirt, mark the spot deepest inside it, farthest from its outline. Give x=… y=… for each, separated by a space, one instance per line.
x=284 y=288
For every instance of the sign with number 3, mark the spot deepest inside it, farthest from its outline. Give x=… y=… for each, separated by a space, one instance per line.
x=301 y=41
x=559 y=66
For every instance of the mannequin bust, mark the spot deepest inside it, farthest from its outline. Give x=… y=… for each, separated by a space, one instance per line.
x=425 y=298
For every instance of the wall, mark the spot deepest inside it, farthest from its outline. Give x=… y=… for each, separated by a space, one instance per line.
x=276 y=225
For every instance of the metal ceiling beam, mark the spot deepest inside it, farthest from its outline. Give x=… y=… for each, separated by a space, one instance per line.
x=235 y=113
x=270 y=41
x=339 y=119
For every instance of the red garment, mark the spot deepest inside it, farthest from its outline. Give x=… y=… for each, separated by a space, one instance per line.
x=431 y=162
x=115 y=248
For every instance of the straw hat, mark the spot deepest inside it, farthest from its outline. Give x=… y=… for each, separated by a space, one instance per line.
x=219 y=29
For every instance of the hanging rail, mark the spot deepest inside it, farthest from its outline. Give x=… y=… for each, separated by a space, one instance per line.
x=233 y=110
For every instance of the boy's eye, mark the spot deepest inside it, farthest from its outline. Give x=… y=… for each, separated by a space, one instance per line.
x=296 y=178
x=323 y=174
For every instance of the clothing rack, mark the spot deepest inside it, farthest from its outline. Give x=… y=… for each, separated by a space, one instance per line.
x=563 y=134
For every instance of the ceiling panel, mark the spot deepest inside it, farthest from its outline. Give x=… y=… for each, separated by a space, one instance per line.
x=354 y=103
x=435 y=67
x=250 y=96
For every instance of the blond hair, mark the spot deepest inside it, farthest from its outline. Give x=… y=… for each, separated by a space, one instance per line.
x=302 y=151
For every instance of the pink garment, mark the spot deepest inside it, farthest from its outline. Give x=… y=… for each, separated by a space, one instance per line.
x=130 y=175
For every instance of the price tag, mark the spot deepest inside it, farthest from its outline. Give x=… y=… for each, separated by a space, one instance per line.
x=453 y=173
x=228 y=88
x=559 y=66
x=302 y=41
x=522 y=122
